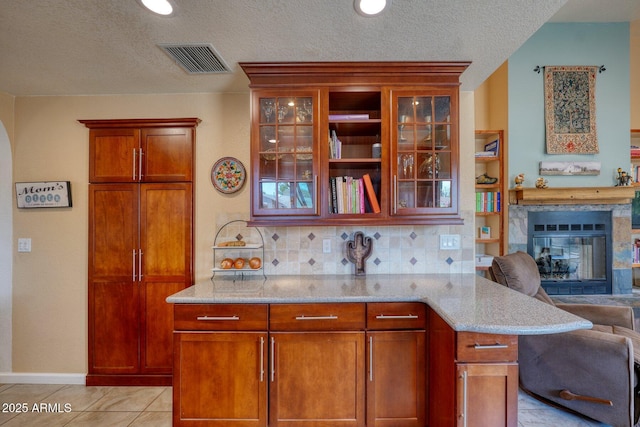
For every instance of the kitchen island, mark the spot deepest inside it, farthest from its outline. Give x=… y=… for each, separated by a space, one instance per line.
x=333 y=350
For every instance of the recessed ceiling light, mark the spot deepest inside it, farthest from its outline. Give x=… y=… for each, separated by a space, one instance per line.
x=161 y=7
x=370 y=7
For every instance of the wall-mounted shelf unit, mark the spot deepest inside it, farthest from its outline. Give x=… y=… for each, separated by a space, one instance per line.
x=490 y=196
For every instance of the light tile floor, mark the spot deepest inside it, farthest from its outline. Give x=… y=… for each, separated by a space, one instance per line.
x=77 y=405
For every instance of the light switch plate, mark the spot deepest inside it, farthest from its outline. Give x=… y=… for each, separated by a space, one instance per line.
x=449 y=242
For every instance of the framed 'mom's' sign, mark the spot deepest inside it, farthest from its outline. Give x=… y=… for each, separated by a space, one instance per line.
x=47 y=194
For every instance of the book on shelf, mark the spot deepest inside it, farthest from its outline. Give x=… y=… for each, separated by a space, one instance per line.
x=371 y=194
x=636 y=251
x=484 y=232
x=335 y=146
x=493 y=146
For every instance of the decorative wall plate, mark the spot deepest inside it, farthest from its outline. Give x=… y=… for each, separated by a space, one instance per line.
x=228 y=175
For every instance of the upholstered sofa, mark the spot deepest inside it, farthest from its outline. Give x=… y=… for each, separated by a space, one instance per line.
x=592 y=372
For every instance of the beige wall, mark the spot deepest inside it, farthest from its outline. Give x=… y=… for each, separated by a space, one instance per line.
x=634 y=72
x=50 y=283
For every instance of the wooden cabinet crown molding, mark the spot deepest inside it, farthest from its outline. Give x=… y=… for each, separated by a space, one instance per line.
x=274 y=74
x=140 y=123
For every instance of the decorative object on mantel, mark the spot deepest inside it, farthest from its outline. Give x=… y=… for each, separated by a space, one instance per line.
x=519 y=180
x=358 y=250
x=569 y=168
x=623 y=179
x=570 y=109
x=541 y=183
x=47 y=194
x=228 y=175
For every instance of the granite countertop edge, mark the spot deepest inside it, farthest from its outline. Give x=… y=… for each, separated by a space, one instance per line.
x=467 y=302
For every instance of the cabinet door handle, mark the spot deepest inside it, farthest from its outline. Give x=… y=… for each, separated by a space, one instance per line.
x=134 y=165
x=140 y=164
x=370 y=358
x=463 y=414
x=329 y=317
x=315 y=193
x=489 y=346
x=261 y=359
x=393 y=316
x=140 y=265
x=212 y=318
x=134 y=266
x=394 y=196
x=272 y=358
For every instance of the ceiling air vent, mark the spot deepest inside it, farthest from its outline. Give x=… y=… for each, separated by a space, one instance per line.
x=198 y=58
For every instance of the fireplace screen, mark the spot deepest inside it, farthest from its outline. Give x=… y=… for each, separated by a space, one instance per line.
x=572 y=250
x=570 y=258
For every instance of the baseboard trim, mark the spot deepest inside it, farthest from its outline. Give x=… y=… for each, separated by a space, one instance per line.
x=41 y=378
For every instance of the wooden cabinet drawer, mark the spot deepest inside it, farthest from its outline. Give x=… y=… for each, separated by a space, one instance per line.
x=220 y=317
x=317 y=317
x=396 y=315
x=478 y=347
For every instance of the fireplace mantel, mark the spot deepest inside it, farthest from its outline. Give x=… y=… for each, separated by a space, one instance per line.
x=572 y=196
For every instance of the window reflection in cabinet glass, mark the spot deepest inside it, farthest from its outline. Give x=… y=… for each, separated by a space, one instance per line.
x=286 y=195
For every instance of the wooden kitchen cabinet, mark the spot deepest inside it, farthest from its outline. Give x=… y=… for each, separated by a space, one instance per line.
x=220 y=374
x=473 y=377
x=396 y=364
x=154 y=150
x=317 y=373
x=140 y=252
x=320 y=131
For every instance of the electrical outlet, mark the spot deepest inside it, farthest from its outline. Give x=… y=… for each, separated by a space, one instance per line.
x=449 y=242
x=326 y=246
x=24 y=244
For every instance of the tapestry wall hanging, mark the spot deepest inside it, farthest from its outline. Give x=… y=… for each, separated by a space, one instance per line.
x=570 y=109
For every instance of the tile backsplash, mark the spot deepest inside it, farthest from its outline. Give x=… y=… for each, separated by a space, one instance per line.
x=396 y=249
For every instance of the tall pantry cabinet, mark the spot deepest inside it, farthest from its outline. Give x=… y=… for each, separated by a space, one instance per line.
x=140 y=245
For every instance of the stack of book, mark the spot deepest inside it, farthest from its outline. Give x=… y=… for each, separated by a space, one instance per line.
x=488 y=201
x=351 y=195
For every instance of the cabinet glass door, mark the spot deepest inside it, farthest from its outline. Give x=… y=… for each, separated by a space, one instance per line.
x=424 y=145
x=286 y=151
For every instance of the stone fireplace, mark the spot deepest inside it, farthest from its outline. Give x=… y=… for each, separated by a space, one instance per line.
x=581 y=237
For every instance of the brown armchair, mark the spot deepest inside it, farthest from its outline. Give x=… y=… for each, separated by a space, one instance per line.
x=592 y=372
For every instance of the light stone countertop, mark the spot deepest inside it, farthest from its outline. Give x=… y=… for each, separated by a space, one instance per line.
x=467 y=302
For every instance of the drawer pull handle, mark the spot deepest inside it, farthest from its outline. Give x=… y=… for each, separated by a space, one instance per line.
x=218 y=318
x=329 y=317
x=400 y=316
x=489 y=346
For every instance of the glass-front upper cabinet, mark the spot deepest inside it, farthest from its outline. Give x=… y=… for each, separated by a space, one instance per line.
x=424 y=153
x=284 y=153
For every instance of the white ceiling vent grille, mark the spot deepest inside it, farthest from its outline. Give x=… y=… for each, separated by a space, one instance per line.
x=198 y=58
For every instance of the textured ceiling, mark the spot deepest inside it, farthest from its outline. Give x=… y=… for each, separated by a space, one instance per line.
x=75 y=47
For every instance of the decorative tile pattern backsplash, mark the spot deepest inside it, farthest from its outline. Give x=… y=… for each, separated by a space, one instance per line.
x=396 y=249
